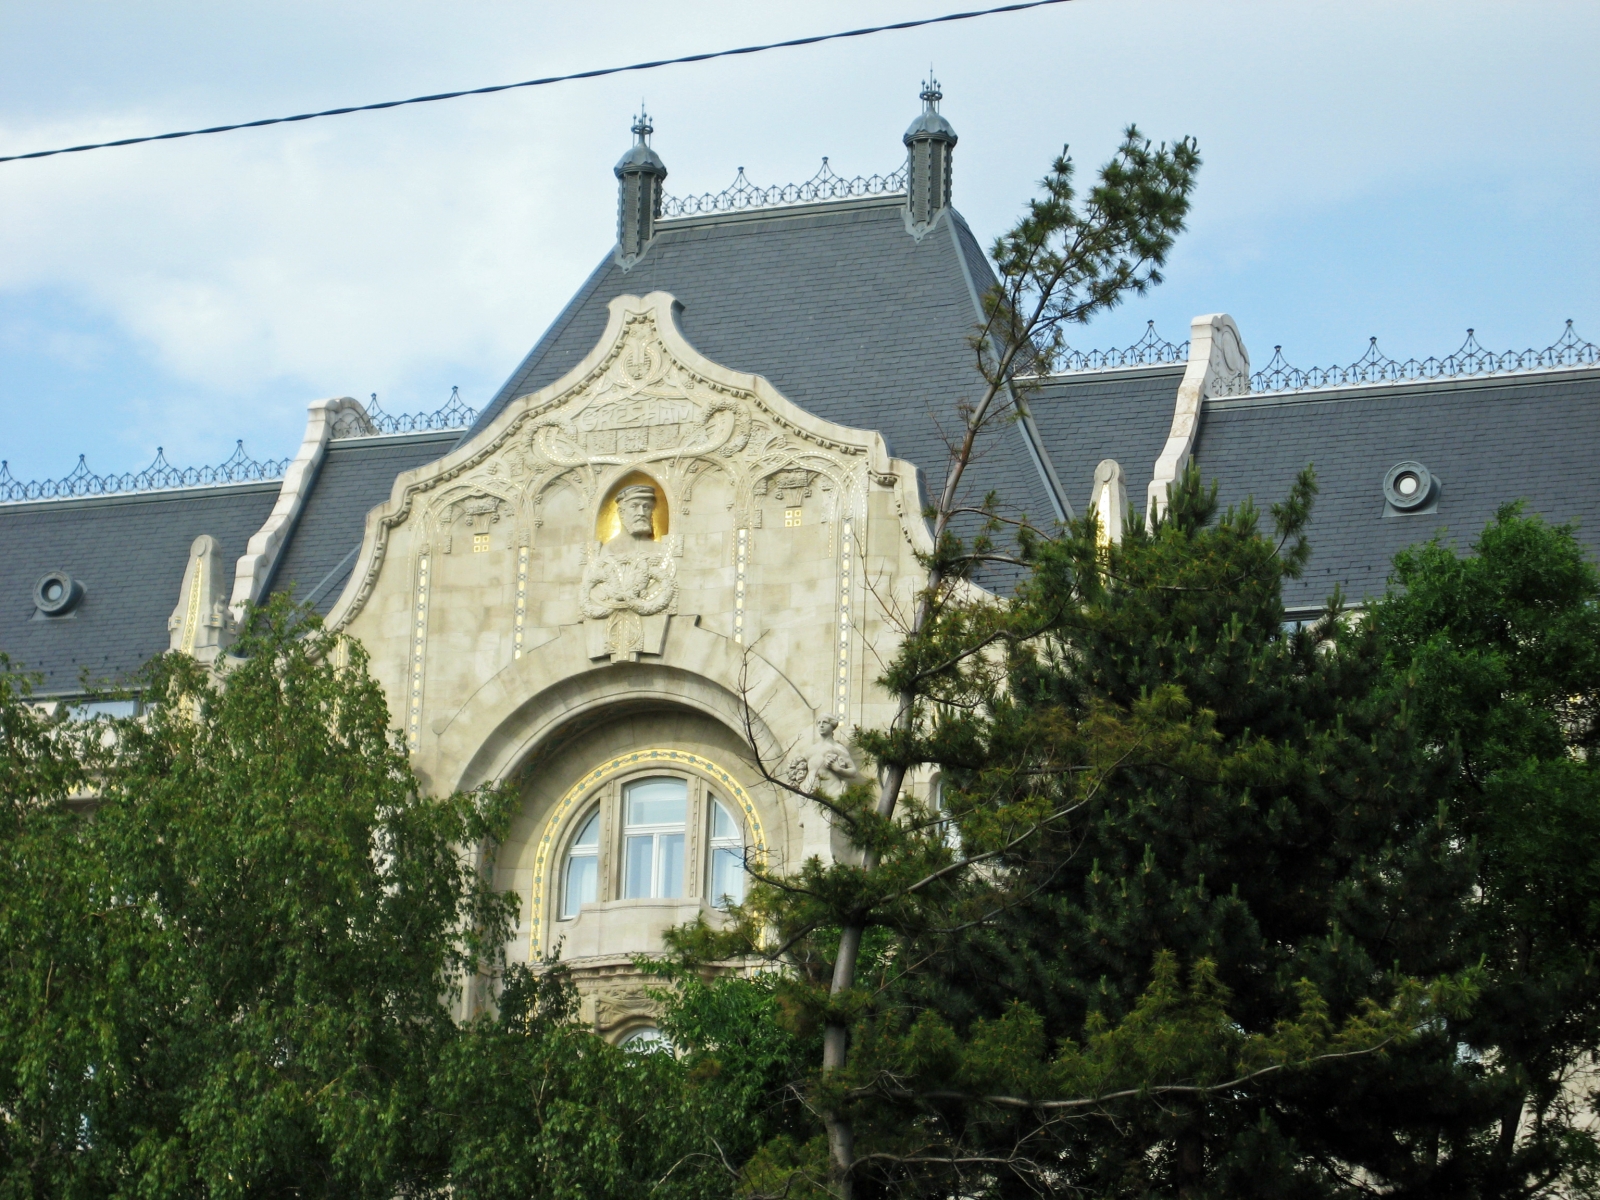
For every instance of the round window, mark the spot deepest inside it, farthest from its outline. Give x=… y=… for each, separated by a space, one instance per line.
x=57 y=593
x=1408 y=486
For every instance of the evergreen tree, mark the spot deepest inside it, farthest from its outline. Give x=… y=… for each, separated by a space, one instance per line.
x=1232 y=909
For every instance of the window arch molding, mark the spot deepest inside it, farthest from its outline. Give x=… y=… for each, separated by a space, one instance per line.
x=576 y=802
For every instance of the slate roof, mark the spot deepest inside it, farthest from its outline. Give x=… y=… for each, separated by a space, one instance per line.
x=356 y=476
x=1490 y=440
x=130 y=553
x=1087 y=416
x=838 y=306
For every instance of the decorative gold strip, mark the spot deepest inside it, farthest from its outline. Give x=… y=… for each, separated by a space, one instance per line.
x=522 y=601
x=842 y=666
x=545 y=881
x=191 y=618
x=741 y=562
x=419 y=644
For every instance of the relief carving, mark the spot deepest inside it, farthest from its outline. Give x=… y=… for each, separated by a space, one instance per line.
x=474 y=513
x=795 y=481
x=644 y=400
x=825 y=765
x=629 y=586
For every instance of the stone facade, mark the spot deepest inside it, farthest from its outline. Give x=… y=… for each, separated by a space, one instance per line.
x=526 y=625
x=638 y=571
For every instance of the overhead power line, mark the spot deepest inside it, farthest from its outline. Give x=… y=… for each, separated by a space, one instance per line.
x=549 y=79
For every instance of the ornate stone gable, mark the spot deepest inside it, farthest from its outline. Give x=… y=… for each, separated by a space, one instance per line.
x=642 y=401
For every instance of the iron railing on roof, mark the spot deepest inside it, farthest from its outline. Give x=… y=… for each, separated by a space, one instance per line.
x=456 y=414
x=160 y=475
x=1568 y=350
x=1150 y=350
x=826 y=184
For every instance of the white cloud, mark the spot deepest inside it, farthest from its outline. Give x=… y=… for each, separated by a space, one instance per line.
x=397 y=251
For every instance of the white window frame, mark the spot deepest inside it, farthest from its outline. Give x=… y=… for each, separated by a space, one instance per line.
x=716 y=845
x=656 y=832
x=593 y=813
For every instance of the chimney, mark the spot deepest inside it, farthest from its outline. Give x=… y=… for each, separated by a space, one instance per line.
x=931 y=142
x=639 y=175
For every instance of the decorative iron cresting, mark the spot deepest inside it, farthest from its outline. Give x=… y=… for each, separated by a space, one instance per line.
x=826 y=184
x=160 y=475
x=1150 y=350
x=456 y=414
x=1568 y=350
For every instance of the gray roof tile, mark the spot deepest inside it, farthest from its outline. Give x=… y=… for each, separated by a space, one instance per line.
x=838 y=306
x=1490 y=441
x=1093 y=415
x=130 y=552
x=355 y=477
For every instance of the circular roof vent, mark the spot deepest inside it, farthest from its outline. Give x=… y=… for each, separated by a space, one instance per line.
x=57 y=593
x=1408 y=486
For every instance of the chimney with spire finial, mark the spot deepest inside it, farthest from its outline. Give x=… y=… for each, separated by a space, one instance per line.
x=639 y=175
x=932 y=143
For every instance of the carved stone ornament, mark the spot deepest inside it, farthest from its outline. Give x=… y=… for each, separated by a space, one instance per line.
x=200 y=624
x=630 y=584
x=645 y=408
x=793 y=482
x=825 y=765
x=642 y=400
x=473 y=512
x=1219 y=365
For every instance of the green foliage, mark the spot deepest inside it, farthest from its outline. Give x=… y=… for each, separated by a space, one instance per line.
x=235 y=976
x=1070 y=257
x=1212 y=907
x=537 y=1106
x=239 y=944
x=1499 y=652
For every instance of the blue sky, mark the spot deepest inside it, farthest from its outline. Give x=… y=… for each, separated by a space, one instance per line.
x=1399 y=169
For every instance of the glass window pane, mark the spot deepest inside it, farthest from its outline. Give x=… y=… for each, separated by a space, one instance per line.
x=583 y=874
x=589 y=835
x=722 y=823
x=727 y=877
x=670 y=880
x=647 y=1040
x=636 y=871
x=657 y=802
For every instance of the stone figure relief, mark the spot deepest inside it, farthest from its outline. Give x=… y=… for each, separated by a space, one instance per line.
x=825 y=765
x=630 y=585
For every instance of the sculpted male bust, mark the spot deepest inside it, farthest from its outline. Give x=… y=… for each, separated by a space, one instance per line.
x=629 y=581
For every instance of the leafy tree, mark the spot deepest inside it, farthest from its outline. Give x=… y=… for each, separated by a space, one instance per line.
x=538 y=1106
x=1499 y=652
x=237 y=976
x=1233 y=909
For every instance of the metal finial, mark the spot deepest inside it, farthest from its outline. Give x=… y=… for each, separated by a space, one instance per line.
x=642 y=129
x=931 y=95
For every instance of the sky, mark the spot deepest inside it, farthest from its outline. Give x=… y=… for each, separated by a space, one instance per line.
x=1393 y=168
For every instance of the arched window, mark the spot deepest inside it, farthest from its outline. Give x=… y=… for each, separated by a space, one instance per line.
x=646 y=1039
x=582 y=877
x=727 y=857
x=656 y=813
x=655 y=835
